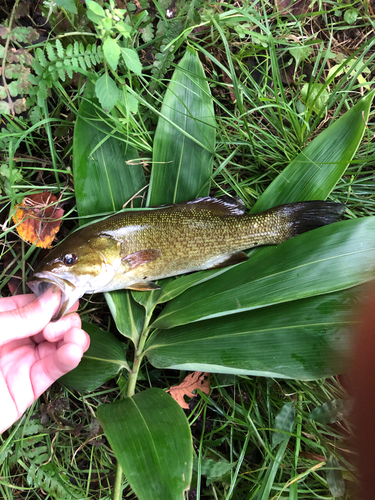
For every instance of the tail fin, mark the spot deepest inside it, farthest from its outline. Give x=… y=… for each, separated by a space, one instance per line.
x=307 y=215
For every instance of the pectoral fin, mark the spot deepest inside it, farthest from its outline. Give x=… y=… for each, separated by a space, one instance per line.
x=144 y=286
x=141 y=257
x=235 y=258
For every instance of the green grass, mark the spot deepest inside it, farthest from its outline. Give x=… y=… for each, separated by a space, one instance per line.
x=58 y=450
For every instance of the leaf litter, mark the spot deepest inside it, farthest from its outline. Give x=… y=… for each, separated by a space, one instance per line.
x=38 y=219
x=194 y=381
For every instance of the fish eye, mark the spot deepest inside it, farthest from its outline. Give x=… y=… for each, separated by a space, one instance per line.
x=69 y=259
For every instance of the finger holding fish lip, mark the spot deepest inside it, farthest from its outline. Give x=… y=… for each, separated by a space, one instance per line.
x=30 y=319
x=68 y=293
x=55 y=331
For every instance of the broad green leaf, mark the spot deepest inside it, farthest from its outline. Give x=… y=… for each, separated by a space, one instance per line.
x=124 y=28
x=335 y=479
x=305 y=339
x=325 y=260
x=102 y=361
x=182 y=157
x=104 y=181
x=313 y=174
x=300 y=53
x=213 y=470
x=150 y=436
x=128 y=315
x=351 y=15
x=111 y=52
x=130 y=102
x=107 y=92
x=68 y=5
x=284 y=423
x=177 y=286
x=315 y=96
x=332 y=411
x=95 y=8
x=131 y=59
x=147 y=299
x=187 y=94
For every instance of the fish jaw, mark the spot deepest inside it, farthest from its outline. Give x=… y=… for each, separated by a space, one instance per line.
x=69 y=292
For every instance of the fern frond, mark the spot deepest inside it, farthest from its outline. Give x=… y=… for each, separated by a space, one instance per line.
x=87 y=60
x=49 y=478
x=61 y=62
x=51 y=52
x=41 y=57
x=60 y=49
x=82 y=62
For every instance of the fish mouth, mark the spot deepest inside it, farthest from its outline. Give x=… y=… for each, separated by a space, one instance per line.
x=40 y=282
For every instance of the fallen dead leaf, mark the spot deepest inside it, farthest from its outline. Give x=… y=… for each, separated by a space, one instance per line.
x=312 y=456
x=194 y=381
x=38 y=219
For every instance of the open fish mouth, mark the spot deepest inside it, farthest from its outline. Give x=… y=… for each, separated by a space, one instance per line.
x=40 y=282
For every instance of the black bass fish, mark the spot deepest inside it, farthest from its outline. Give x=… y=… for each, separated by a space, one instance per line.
x=133 y=249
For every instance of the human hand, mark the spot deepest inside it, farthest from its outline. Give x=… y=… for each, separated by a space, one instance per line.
x=34 y=353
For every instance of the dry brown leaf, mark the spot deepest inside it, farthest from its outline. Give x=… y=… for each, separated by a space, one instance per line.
x=312 y=456
x=194 y=381
x=38 y=219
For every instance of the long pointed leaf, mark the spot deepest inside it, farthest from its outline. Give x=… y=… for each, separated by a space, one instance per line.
x=317 y=169
x=150 y=436
x=284 y=423
x=306 y=339
x=103 y=180
x=182 y=167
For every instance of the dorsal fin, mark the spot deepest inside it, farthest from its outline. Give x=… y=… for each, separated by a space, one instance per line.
x=223 y=206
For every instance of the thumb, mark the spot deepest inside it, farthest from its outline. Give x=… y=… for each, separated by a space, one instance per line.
x=31 y=318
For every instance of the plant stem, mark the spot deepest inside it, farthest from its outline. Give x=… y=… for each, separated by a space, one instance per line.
x=133 y=376
x=138 y=355
x=117 y=491
x=51 y=144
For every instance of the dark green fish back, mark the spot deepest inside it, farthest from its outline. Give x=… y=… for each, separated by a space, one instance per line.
x=199 y=234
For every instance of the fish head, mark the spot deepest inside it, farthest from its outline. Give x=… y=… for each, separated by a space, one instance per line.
x=77 y=266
